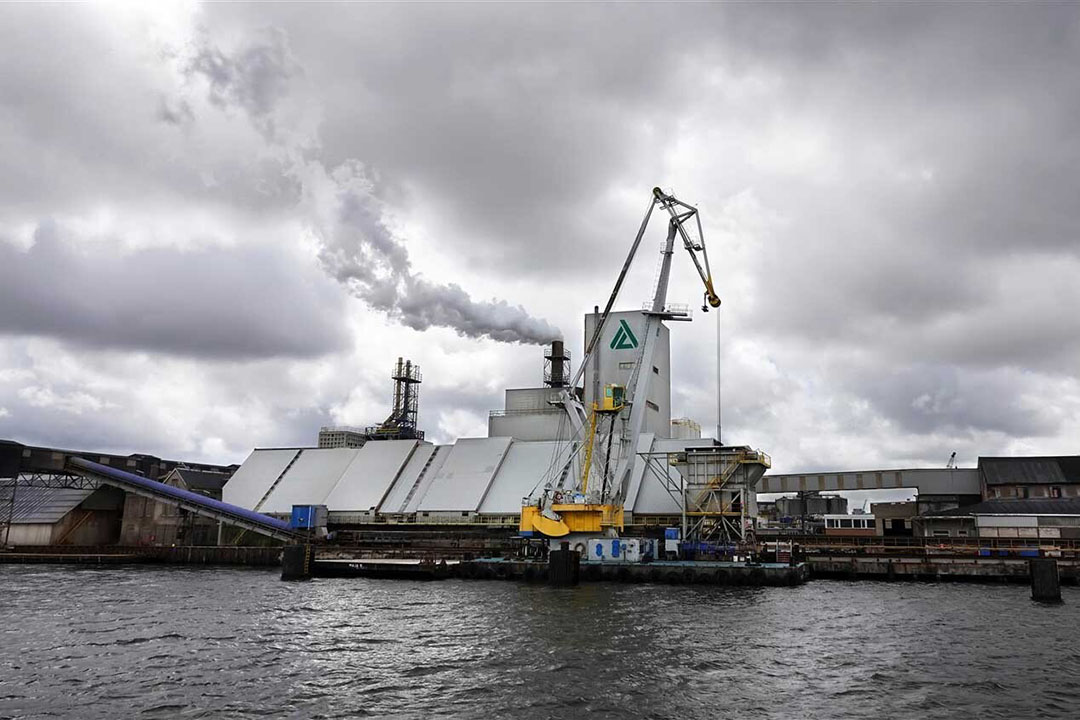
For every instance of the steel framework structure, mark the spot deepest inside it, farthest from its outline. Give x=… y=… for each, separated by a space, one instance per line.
x=713 y=487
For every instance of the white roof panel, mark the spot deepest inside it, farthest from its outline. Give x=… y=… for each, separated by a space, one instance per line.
x=370 y=475
x=524 y=467
x=401 y=493
x=463 y=480
x=310 y=479
x=250 y=482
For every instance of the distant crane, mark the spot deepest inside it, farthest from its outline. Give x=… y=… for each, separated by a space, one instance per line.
x=951 y=465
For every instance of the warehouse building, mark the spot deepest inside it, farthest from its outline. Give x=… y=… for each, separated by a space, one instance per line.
x=60 y=516
x=148 y=522
x=1030 y=477
x=1013 y=518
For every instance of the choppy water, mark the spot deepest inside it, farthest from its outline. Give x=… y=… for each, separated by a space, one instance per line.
x=178 y=642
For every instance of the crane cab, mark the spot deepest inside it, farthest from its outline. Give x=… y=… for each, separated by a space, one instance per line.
x=613 y=400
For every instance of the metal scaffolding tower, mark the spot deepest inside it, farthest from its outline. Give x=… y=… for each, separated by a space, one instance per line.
x=402 y=422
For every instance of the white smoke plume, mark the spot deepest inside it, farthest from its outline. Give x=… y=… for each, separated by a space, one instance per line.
x=347 y=219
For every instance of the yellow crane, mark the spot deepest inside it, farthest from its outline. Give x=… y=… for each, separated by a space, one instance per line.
x=567 y=503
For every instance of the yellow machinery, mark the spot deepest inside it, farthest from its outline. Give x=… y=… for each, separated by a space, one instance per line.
x=568 y=504
x=582 y=517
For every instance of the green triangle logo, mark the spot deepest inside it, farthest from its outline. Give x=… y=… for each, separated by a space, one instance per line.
x=624 y=338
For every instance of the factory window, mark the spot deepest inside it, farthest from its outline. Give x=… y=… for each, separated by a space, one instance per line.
x=652 y=406
x=1021 y=492
x=1055 y=492
x=845 y=523
x=941 y=533
x=626 y=366
x=656 y=370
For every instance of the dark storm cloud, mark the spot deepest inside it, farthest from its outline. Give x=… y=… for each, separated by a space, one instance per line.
x=514 y=135
x=217 y=303
x=927 y=399
x=359 y=249
x=910 y=279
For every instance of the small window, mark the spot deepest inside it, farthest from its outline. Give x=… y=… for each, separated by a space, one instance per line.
x=656 y=370
x=652 y=406
x=1021 y=492
x=941 y=533
x=626 y=366
x=961 y=533
x=1055 y=492
x=845 y=523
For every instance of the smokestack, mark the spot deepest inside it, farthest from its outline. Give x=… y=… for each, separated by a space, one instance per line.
x=556 y=363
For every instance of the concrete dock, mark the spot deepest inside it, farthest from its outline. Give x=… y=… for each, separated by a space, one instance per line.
x=969 y=569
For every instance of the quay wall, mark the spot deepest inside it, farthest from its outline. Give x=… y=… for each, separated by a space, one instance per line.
x=977 y=569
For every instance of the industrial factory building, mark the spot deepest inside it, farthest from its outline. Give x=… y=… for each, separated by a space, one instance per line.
x=475 y=480
x=398 y=478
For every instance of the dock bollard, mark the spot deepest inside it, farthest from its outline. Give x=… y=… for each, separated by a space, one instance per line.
x=564 y=565
x=297 y=562
x=1045 y=585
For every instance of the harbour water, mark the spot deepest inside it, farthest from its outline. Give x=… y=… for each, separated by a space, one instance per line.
x=185 y=643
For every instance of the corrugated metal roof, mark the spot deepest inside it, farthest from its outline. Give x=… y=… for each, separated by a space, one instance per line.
x=41 y=505
x=1029 y=470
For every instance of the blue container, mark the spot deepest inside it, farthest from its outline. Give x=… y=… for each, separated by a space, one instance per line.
x=1029 y=553
x=303 y=517
x=671 y=533
x=984 y=552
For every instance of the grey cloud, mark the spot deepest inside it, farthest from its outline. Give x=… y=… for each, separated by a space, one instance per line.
x=255 y=77
x=941 y=144
x=360 y=251
x=510 y=144
x=175 y=113
x=217 y=303
x=358 y=248
x=927 y=399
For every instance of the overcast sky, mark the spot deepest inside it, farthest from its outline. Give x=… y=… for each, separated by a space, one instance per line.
x=221 y=224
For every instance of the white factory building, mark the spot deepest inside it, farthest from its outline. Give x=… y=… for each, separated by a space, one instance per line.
x=476 y=480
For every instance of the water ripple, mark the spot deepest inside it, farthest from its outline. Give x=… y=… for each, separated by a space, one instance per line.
x=196 y=642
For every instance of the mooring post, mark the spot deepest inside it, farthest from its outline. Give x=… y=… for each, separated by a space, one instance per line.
x=297 y=562
x=1045 y=585
x=564 y=565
